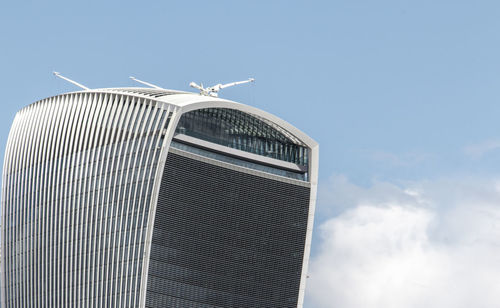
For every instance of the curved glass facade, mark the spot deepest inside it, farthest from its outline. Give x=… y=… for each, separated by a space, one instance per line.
x=242 y=131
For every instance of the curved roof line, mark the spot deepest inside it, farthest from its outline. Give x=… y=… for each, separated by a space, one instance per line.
x=189 y=101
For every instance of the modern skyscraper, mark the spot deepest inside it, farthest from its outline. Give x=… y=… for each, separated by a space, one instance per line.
x=134 y=197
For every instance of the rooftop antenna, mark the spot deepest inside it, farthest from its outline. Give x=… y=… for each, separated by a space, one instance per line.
x=146 y=83
x=214 y=90
x=71 y=81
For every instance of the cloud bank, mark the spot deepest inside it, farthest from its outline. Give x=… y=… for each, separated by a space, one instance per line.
x=428 y=244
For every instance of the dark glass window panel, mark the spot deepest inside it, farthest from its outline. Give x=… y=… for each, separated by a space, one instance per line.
x=223 y=238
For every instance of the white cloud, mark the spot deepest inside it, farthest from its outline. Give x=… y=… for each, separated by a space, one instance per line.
x=429 y=244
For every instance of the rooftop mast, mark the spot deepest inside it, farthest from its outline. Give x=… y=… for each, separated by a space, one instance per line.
x=146 y=83
x=214 y=90
x=71 y=81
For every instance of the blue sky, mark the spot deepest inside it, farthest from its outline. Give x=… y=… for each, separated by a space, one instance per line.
x=402 y=96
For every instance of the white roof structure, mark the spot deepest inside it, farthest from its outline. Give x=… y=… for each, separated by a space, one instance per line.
x=189 y=101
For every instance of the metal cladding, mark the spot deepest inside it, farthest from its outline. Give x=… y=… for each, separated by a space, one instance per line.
x=104 y=207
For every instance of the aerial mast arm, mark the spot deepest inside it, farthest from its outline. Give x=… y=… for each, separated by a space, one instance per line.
x=146 y=83
x=71 y=81
x=196 y=86
x=214 y=90
x=236 y=83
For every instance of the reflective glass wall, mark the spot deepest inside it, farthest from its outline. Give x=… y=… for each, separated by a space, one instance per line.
x=242 y=131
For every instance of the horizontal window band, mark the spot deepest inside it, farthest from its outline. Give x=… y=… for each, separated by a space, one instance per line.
x=206 y=145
